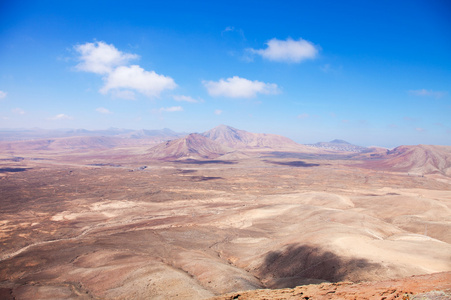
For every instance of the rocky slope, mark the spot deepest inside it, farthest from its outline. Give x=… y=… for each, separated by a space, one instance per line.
x=193 y=146
x=419 y=160
x=240 y=139
x=434 y=286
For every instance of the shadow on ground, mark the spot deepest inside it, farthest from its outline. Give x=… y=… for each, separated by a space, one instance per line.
x=203 y=162
x=297 y=265
x=295 y=163
x=187 y=171
x=14 y=170
x=204 y=178
x=281 y=154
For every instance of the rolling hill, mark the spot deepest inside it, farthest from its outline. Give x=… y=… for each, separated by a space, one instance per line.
x=419 y=159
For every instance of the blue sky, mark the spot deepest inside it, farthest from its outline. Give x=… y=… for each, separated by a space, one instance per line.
x=369 y=72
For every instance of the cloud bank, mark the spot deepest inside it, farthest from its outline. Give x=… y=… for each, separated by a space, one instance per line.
x=3 y=94
x=288 y=50
x=136 y=78
x=237 y=87
x=120 y=78
x=101 y=58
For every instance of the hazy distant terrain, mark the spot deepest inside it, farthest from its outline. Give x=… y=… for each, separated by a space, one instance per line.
x=162 y=215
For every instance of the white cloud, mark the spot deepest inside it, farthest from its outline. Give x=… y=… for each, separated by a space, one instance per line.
x=123 y=94
x=288 y=51
x=426 y=93
x=101 y=58
x=18 y=111
x=171 y=109
x=61 y=117
x=3 y=94
x=218 y=112
x=237 y=87
x=120 y=78
x=419 y=129
x=186 y=99
x=103 y=110
x=134 y=77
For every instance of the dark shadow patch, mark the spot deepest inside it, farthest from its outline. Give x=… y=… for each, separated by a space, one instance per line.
x=14 y=159
x=204 y=178
x=186 y=171
x=296 y=163
x=6 y=293
x=280 y=154
x=296 y=265
x=13 y=170
x=105 y=165
x=203 y=162
x=387 y=194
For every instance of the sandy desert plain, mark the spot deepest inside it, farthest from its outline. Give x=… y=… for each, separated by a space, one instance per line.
x=215 y=214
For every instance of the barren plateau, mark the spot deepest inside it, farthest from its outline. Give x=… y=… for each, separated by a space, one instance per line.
x=122 y=222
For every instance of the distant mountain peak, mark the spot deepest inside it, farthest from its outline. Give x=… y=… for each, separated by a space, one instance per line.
x=337 y=141
x=241 y=139
x=223 y=126
x=193 y=145
x=339 y=145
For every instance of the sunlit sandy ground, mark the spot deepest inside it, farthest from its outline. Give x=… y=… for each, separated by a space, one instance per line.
x=72 y=229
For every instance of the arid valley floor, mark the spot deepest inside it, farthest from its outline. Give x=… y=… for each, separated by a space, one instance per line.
x=94 y=223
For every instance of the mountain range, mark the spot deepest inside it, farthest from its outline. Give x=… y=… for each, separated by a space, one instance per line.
x=38 y=133
x=226 y=143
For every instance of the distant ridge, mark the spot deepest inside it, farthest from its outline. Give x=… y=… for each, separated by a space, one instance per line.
x=339 y=145
x=193 y=146
x=64 y=143
x=37 y=133
x=143 y=133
